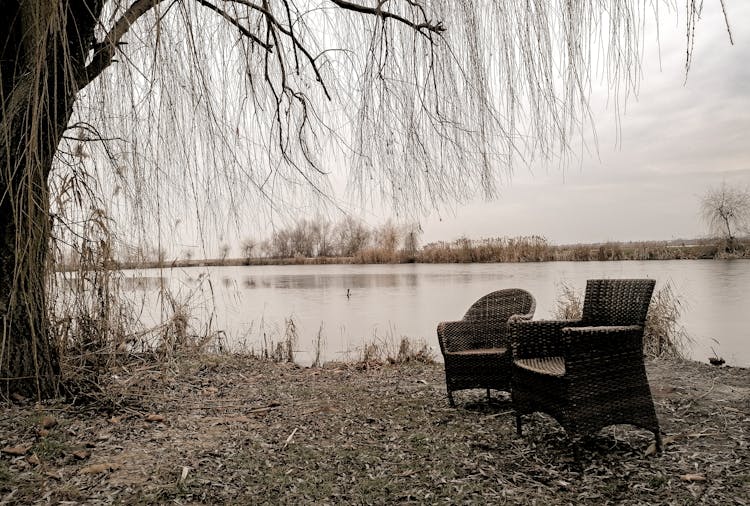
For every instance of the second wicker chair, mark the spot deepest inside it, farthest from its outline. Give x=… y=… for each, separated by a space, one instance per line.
x=476 y=349
x=588 y=373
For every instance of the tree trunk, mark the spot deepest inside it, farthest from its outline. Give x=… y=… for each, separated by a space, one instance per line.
x=730 y=238
x=28 y=359
x=43 y=47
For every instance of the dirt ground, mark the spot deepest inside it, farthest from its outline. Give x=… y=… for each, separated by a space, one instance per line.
x=218 y=429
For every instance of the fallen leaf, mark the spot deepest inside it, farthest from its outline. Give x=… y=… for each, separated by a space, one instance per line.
x=115 y=420
x=43 y=432
x=48 y=422
x=82 y=454
x=693 y=477
x=154 y=418
x=17 y=397
x=210 y=390
x=33 y=459
x=183 y=475
x=16 y=450
x=99 y=468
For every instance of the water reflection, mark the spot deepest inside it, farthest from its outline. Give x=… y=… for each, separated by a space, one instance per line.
x=390 y=301
x=143 y=282
x=312 y=281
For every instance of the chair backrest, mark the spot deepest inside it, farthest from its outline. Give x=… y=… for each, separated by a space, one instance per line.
x=500 y=305
x=617 y=301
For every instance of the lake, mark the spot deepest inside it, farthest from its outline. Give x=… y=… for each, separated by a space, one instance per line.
x=250 y=304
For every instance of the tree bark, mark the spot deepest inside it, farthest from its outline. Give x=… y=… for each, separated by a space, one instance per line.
x=43 y=47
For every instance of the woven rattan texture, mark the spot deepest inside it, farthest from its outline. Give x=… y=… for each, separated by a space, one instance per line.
x=476 y=349
x=602 y=379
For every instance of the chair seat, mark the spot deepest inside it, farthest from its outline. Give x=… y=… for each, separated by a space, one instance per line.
x=552 y=366
x=478 y=351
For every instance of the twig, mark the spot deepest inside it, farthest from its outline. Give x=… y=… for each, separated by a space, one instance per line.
x=289 y=439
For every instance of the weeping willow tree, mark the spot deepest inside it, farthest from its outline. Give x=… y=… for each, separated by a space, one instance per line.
x=181 y=103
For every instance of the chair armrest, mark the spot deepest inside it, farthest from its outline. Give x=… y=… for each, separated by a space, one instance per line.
x=464 y=335
x=538 y=338
x=600 y=349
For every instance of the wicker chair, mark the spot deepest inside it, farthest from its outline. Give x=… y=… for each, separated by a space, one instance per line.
x=476 y=350
x=588 y=373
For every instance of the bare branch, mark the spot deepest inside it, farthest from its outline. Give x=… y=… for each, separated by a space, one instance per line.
x=105 y=50
x=244 y=31
x=423 y=27
x=726 y=21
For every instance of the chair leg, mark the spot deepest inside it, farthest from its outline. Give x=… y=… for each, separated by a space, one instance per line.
x=450 y=399
x=489 y=399
x=518 y=424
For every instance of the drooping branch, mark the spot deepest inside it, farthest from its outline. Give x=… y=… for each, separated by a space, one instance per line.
x=105 y=50
x=234 y=21
x=422 y=27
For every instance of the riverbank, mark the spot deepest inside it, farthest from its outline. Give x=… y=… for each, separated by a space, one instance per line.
x=232 y=429
x=497 y=250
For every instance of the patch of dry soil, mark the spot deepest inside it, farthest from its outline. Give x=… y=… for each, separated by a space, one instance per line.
x=237 y=430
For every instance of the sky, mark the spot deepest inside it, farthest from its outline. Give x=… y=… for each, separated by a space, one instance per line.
x=677 y=138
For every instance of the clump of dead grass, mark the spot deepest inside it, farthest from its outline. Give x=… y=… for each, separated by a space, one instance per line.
x=663 y=336
x=569 y=303
x=386 y=350
x=99 y=324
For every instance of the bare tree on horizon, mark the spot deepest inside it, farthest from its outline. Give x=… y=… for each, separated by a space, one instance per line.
x=726 y=211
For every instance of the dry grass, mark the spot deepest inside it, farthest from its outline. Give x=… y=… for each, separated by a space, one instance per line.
x=232 y=429
x=663 y=336
x=569 y=303
x=387 y=350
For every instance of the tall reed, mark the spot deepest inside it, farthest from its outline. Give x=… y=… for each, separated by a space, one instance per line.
x=663 y=335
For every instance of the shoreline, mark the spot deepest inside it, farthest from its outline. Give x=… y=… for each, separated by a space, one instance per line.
x=590 y=255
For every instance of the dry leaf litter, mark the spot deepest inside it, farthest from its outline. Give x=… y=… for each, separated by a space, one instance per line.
x=215 y=429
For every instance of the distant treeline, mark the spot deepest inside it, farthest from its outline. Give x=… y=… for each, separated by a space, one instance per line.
x=353 y=242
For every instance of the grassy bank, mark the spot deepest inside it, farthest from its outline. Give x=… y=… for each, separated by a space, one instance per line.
x=517 y=249
x=231 y=429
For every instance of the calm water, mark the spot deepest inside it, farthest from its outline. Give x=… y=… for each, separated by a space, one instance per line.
x=389 y=301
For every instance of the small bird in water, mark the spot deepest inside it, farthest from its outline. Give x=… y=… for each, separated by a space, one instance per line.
x=348 y=293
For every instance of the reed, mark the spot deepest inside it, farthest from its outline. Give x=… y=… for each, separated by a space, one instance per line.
x=663 y=336
x=318 y=346
x=381 y=350
x=569 y=303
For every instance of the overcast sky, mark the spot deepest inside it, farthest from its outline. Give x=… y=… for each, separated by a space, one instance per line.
x=677 y=139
